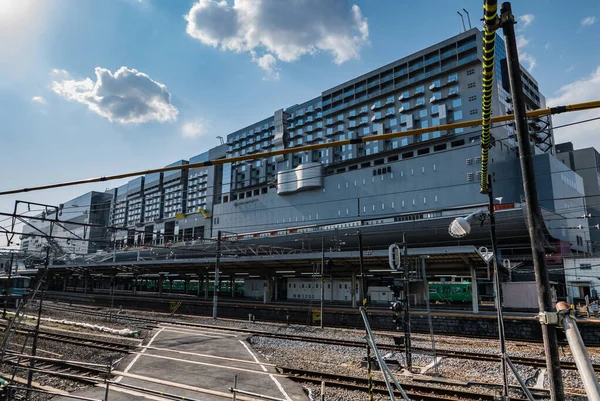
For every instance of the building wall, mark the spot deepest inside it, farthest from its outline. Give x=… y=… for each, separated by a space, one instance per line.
x=582 y=277
x=586 y=162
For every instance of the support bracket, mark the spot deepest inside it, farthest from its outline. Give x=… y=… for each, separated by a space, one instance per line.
x=548 y=318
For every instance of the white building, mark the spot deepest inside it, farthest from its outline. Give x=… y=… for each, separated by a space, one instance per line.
x=582 y=277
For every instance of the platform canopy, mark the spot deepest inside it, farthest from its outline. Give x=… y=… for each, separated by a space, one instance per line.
x=453 y=260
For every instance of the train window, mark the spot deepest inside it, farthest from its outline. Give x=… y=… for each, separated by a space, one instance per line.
x=328 y=285
x=294 y=285
x=316 y=285
x=464 y=290
x=432 y=290
x=345 y=286
x=457 y=290
x=340 y=286
x=447 y=289
x=302 y=285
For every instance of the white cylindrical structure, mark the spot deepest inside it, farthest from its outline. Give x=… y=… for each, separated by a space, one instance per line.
x=580 y=355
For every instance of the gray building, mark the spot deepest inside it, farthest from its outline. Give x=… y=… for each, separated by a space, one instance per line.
x=586 y=162
x=413 y=184
x=91 y=208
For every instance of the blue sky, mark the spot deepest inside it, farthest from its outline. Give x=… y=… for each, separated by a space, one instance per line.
x=209 y=75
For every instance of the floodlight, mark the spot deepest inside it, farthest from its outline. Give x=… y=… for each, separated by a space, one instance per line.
x=461 y=226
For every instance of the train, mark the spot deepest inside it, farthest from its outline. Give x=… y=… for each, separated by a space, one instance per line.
x=19 y=286
x=179 y=286
x=450 y=292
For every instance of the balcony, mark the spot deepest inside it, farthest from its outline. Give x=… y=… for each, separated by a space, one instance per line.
x=453 y=92
x=363 y=110
x=377 y=116
x=434 y=86
x=434 y=99
x=362 y=121
x=377 y=105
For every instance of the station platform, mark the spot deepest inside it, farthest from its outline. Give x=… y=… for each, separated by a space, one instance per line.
x=195 y=364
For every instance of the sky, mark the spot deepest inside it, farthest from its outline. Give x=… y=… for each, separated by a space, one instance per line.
x=91 y=88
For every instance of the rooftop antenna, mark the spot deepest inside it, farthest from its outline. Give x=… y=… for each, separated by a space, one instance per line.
x=463 y=20
x=468 y=18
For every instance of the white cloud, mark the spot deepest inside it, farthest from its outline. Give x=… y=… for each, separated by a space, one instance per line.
x=525 y=57
x=522 y=41
x=193 y=129
x=267 y=63
x=526 y=19
x=127 y=96
x=38 y=99
x=56 y=72
x=587 y=21
x=583 y=90
x=277 y=30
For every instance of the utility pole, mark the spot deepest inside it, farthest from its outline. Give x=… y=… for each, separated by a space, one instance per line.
x=492 y=216
x=363 y=282
x=39 y=317
x=216 y=285
x=322 y=277
x=407 y=328
x=7 y=287
x=533 y=212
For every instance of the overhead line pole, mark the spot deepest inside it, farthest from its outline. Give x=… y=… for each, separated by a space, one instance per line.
x=535 y=222
x=464 y=124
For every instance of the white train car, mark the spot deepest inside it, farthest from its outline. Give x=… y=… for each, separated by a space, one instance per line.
x=309 y=289
x=254 y=288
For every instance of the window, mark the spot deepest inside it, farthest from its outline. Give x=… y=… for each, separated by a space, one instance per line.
x=340 y=117
x=471 y=85
x=420 y=89
x=389 y=100
x=405 y=94
x=585 y=266
x=437 y=95
x=458 y=115
x=425 y=123
x=435 y=109
x=471 y=98
x=457 y=102
x=454 y=77
x=453 y=90
x=473 y=112
x=366 y=130
x=406 y=105
x=423 y=113
x=420 y=101
x=471 y=71
x=436 y=83
x=393 y=122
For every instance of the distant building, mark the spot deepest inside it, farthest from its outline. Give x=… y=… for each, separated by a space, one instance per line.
x=582 y=278
x=91 y=208
x=586 y=163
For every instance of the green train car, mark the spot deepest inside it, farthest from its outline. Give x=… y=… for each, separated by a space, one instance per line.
x=450 y=292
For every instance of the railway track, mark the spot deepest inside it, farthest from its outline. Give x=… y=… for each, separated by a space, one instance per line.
x=76 y=340
x=152 y=322
x=416 y=392
x=77 y=371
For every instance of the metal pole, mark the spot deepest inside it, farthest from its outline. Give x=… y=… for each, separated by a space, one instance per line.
x=407 y=328
x=535 y=222
x=363 y=282
x=234 y=388
x=492 y=216
x=109 y=370
x=424 y=272
x=216 y=286
x=323 y=390
x=322 y=277
x=580 y=355
x=7 y=287
x=37 y=324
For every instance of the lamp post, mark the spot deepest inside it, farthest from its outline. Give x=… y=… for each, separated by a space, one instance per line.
x=460 y=227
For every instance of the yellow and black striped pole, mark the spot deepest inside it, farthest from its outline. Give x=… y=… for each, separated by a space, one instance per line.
x=489 y=40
